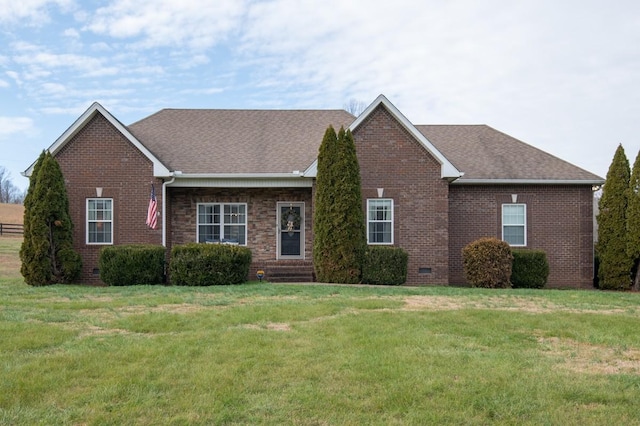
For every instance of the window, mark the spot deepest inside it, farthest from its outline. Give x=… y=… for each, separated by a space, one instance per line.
x=514 y=224
x=222 y=223
x=380 y=221
x=99 y=221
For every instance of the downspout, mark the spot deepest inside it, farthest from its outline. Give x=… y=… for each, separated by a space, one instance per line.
x=164 y=208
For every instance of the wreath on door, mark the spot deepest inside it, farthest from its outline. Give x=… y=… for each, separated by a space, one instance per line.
x=290 y=221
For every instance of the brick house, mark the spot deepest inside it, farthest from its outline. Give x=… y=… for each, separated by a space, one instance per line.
x=238 y=175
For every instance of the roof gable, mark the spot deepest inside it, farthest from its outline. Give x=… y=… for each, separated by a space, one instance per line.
x=447 y=169
x=159 y=169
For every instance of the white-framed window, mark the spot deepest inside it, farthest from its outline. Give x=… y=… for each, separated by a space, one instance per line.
x=380 y=221
x=514 y=224
x=222 y=223
x=99 y=220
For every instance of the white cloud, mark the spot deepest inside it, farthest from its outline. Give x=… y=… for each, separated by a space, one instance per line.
x=460 y=57
x=89 y=65
x=191 y=23
x=130 y=81
x=445 y=49
x=4 y=84
x=193 y=61
x=53 y=89
x=75 y=110
x=203 y=91
x=10 y=126
x=71 y=33
x=15 y=77
x=34 y=12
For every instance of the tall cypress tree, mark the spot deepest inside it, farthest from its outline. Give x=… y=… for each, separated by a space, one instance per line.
x=28 y=252
x=633 y=221
x=339 y=229
x=322 y=216
x=615 y=262
x=47 y=252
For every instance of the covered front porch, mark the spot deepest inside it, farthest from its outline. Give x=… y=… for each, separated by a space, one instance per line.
x=275 y=223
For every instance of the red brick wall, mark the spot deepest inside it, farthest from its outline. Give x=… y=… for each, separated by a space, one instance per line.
x=432 y=220
x=99 y=156
x=262 y=226
x=392 y=159
x=559 y=221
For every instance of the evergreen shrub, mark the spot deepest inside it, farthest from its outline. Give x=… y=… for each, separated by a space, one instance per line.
x=385 y=265
x=197 y=264
x=487 y=263
x=339 y=231
x=47 y=252
x=530 y=268
x=132 y=264
x=616 y=262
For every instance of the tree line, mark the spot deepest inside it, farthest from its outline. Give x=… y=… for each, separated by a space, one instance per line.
x=618 y=245
x=9 y=193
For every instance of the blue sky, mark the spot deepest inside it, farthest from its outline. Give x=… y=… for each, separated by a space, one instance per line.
x=563 y=76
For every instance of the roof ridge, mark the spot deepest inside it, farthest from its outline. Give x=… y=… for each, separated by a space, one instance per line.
x=454 y=125
x=255 y=110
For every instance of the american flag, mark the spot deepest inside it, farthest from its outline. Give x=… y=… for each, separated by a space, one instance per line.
x=152 y=211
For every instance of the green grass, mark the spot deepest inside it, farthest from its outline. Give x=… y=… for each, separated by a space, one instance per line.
x=314 y=355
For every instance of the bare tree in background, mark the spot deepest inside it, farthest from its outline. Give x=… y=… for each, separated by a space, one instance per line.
x=355 y=107
x=9 y=193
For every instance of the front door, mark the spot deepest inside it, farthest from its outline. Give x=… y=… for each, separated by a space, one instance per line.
x=290 y=230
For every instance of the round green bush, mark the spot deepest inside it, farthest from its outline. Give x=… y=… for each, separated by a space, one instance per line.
x=530 y=269
x=385 y=265
x=132 y=264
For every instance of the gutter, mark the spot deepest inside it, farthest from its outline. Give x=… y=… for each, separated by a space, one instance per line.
x=294 y=174
x=295 y=179
x=528 y=182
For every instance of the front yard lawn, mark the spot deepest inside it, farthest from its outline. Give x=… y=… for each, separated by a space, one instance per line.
x=261 y=353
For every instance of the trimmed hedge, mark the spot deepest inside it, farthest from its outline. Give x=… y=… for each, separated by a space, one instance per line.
x=487 y=263
x=385 y=265
x=197 y=264
x=530 y=269
x=132 y=264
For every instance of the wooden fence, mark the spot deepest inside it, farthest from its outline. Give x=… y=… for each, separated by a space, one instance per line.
x=11 y=228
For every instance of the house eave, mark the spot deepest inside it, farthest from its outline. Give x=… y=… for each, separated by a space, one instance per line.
x=159 y=169
x=447 y=170
x=592 y=182
x=240 y=180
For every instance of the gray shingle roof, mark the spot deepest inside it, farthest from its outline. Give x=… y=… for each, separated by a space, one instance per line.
x=237 y=141
x=482 y=152
x=280 y=141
